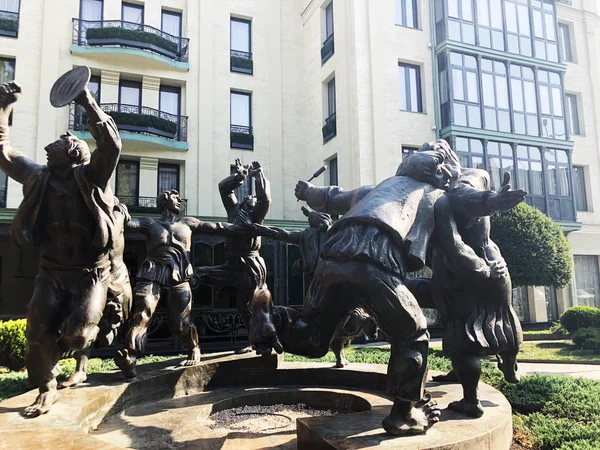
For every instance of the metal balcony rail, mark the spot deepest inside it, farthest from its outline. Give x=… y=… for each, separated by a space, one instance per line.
x=129 y=34
x=147 y=204
x=9 y=23
x=330 y=128
x=137 y=119
x=327 y=49
x=241 y=62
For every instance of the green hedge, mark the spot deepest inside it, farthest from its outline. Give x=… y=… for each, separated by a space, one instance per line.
x=580 y=317
x=535 y=248
x=9 y=25
x=132 y=35
x=13 y=344
x=140 y=120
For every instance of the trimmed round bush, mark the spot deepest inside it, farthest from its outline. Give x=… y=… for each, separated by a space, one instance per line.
x=577 y=317
x=13 y=344
x=585 y=334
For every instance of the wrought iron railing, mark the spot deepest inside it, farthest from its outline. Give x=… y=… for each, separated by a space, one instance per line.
x=9 y=23
x=241 y=62
x=327 y=49
x=147 y=204
x=330 y=128
x=137 y=119
x=130 y=34
x=241 y=137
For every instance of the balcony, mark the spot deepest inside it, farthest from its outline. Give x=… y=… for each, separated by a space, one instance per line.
x=241 y=137
x=147 y=205
x=327 y=50
x=9 y=23
x=329 y=129
x=118 y=33
x=136 y=119
x=241 y=62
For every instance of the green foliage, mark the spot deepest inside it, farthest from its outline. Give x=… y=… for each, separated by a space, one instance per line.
x=144 y=120
x=587 y=338
x=132 y=35
x=9 y=25
x=242 y=139
x=551 y=433
x=535 y=248
x=580 y=317
x=242 y=63
x=13 y=344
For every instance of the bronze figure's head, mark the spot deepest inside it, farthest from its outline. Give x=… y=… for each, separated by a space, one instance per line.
x=169 y=200
x=67 y=151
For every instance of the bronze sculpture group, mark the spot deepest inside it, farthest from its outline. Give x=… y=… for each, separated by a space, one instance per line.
x=431 y=213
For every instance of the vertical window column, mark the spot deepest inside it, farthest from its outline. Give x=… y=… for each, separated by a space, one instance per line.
x=572 y=114
x=410 y=87
x=530 y=176
x=490 y=28
x=329 y=130
x=587 y=280
x=461 y=21
x=544 y=30
x=524 y=102
x=241 y=46
x=127 y=182
x=406 y=13
x=551 y=105
x=168 y=178
x=328 y=47
x=241 y=133
x=499 y=161
x=518 y=29
x=465 y=89
x=558 y=182
x=581 y=202
x=495 y=95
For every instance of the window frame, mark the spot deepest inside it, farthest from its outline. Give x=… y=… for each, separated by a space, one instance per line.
x=168 y=165
x=545 y=40
x=526 y=84
x=401 y=11
x=131 y=84
x=332 y=164
x=173 y=90
x=520 y=34
x=579 y=174
x=136 y=163
x=496 y=77
x=239 y=127
x=329 y=13
x=168 y=12
x=246 y=22
x=101 y=9
x=572 y=114
x=551 y=87
x=407 y=88
x=565 y=43
x=464 y=70
x=133 y=6
x=463 y=23
x=490 y=26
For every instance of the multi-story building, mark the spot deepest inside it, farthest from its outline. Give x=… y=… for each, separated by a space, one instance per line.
x=296 y=84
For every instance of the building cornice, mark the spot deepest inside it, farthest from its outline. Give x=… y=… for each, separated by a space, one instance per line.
x=310 y=10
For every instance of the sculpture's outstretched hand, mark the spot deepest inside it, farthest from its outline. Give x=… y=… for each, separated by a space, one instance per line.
x=505 y=199
x=9 y=95
x=302 y=189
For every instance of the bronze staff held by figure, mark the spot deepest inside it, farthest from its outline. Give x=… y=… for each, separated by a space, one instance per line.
x=67 y=211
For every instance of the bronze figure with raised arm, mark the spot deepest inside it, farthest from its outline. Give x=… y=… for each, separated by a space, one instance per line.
x=67 y=211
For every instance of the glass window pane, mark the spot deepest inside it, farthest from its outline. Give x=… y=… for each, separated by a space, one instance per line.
x=414 y=96
x=545 y=99
x=240 y=36
x=580 y=191
x=488 y=90
x=460 y=114
x=587 y=280
x=472 y=88
x=549 y=19
x=483 y=13
x=127 y=180
x=538 y=25
x=90 y=10
x=133 y=13
x=240 y=109
x=169 y=101
x=171 y=23
x=474 y=117
x=557 y=102
x=168 y=177
x=517 y=95
x=467 y=10
x=496 y=13
x=453 y=8
x=530 y=104
x=457 y=82
x=502 y=92
x=523 y=13
x=511 y=17
x=130 y=94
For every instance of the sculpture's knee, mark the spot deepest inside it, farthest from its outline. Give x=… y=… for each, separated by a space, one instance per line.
x=80 y=339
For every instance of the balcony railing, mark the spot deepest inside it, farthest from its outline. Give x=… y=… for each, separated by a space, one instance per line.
x=241 y=62
x=330 y=128
x=327 y=50
x=9 y=23
x=241 y=137
x=130 y=34
x=147 y=205
x=137 y=119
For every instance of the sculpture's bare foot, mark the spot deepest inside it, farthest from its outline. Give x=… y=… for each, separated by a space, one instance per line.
x=468 y=409
x=126 y=363
x=42 y=404
x=193 y=358
x=508 y=366
x=341 y=362
x=450 y=377
x=417 y=420
x=78 y=377
x=242 y=351
x=9 y=94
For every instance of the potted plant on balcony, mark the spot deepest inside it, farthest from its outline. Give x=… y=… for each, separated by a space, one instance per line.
x=133 y=38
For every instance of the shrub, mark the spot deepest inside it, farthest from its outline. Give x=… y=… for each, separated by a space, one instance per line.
x=132 y=35
x=535 y=248
x=140 y=120
x=13 y=344
x=580 y=317
x=584 y=335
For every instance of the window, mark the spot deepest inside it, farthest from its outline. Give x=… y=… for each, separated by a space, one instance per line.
x=7 y=73
x=3 y=189
x=587 y=280
x=327 y=49
x=494 y=80
x=409 y=78
x=518 y=30
x=524 y=103
x=530 y=177
x=544 y=29
x=241 y=48
x=241 y=120
x=406 y=13
x=127 y=182
x=558 y=182
x=168 y=177
x=580 y=191
x=169 y=102
x=551 y=104
x=470 y=152
x=499 y=161
x=564 y=38
x=407 y=151
x=9 y=14
x=490 y=29
x=91 y=10
x=130 y=96
x=171 y=23
x=245 y=189
x=330 y=128
x=333 y=172
x=520 y=303
x=132 y=13
x=465 y=89
x=572 y=114
x=461 y=21
x=94 y=87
